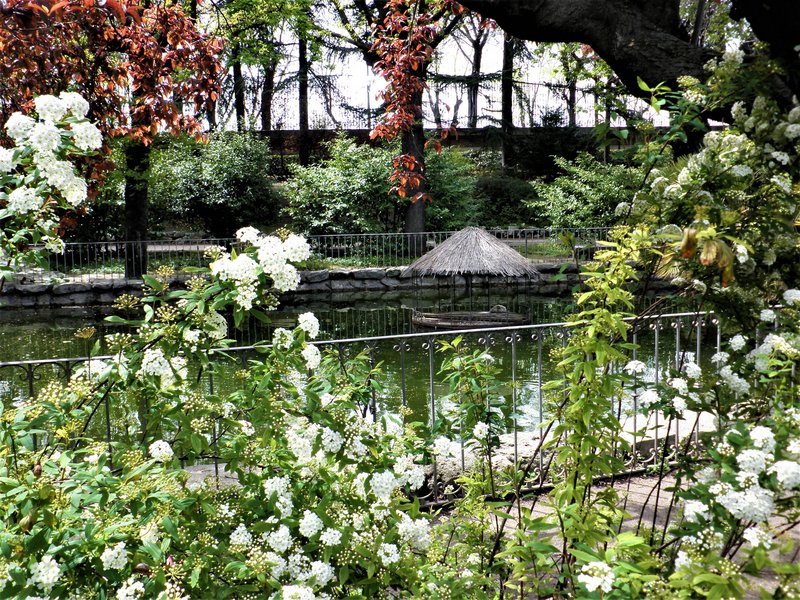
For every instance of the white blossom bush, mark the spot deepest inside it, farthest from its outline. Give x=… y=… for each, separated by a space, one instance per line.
x=39 y=180
x=323 y=505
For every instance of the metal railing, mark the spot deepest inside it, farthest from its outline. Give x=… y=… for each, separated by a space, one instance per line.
x=86 y=262
x=397 y=249
x=412 y=382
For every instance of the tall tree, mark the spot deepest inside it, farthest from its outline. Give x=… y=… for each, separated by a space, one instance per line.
x=397 y=37
x=132 y=65
x=646 y=39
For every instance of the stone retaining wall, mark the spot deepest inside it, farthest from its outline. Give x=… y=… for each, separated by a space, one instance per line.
x=552 y=282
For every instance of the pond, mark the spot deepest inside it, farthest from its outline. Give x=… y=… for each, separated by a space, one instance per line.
x=409 y=365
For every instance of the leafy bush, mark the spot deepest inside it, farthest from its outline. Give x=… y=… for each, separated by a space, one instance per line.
x=223 y=183
x=347 y=193
x=350 y=192
x=506 y=201
x=586 y=194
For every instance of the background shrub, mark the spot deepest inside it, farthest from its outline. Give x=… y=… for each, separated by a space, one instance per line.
x=350 y=192
x=586 y=194
x=220 y=186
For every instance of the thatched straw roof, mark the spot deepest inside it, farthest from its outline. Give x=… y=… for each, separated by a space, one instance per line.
x=472 y=251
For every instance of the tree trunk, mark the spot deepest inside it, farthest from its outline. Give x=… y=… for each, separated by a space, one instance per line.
x=572 y=102
x=413 y=143
x=474 y=86
x=304 y=143
x=238 y=96
x=267 y=94
x=507 y=96
x=137 y=158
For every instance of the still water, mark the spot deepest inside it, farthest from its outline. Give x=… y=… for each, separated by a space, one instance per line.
x=410 y=367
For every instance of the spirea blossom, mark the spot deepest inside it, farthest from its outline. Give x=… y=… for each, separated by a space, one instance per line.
x=280 y=539
x=383 y=485
x=752 y=461
x=297 y=592
x=241 y=537
x=596 y=575
x=282 y=338
x=680 y=385
x=49 y=108
x=480 y=431
x=45 y=574
x=19 y=127
x=161 y=451
x=648 y=397
x=86 y=136
x=321 y=573
x=310 y=524
x=286 y=279
x=763 y=438
x=7 y=160
x=308 y=323
x=738 y=342
x=756 y=537
x=720 y=358
x=296 y=248
x=751 y=504
x=114 y=558
x=635 y=367
x=692 y=370
x=415 y=532
x=74 y=103
x=45 y=137
x=791 y=297
x=388 y=554
x=787 y=473
x=23 y=200
x=312 y=356
x=330 y=537
x=131 y=590
x=248 y=235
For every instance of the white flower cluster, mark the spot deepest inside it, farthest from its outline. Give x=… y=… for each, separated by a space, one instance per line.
x=312 y=356
x=161 y=451
x=45 y=138
x=45 y=574
x=597 y=575
x=635 y=367
x=114 y=558
x=309 y=323
x=383 y=486
x=272 y=256
x=414 y=532
x=240 y=537
x=310 y=524
x=131 y=590
x=155 y=364
x=388 y=554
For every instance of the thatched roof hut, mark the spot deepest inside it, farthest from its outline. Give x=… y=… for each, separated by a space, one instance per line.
x=472 y=251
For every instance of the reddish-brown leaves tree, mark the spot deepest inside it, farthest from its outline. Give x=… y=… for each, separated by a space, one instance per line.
x=404 y=41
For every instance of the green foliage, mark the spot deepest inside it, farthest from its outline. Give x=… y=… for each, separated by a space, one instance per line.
x=586 y=194
x=350 y=191
x=347 y=193
x=506 y=200
x=223 y=184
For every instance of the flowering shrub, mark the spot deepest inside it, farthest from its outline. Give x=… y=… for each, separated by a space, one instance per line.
x=38 y=181
x=320 y=508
